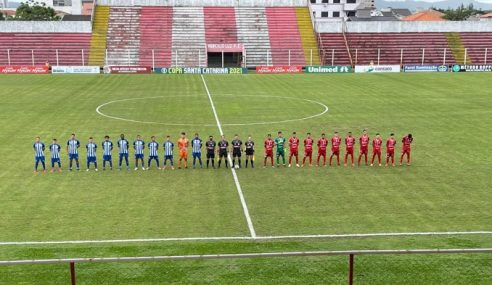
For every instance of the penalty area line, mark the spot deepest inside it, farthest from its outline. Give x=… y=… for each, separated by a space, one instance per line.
x=250 y=238
x=234 y=174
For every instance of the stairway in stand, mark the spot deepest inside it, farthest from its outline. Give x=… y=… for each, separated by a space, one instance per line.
x=123 y=40
x=99 y=33
x=252 y=31
x=308 y=36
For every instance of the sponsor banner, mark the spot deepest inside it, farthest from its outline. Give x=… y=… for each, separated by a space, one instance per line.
x=200 y=70
x=75 y=69
x=425 y=68
x=128 y=69
x=328 y=69
x=225 y=47
x=24 y=69
x=472 y=68
x=376 y=68
x=279 y=69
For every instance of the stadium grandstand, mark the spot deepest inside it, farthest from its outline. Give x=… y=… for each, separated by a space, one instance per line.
x=341 y=144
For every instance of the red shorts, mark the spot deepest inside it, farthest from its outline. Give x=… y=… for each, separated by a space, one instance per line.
x=390 y=152
x=335 y=151
x=308 y=152
x=269 y=153
x=406 y=151
x=363 y=150
x=350 y=151
x=294 y=152
x=376 y=151
x=322 y=152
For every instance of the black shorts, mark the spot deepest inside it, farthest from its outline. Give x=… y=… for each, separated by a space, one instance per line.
x=236 y=153
x=222 y=153
x=250 y=151
x=211 y=154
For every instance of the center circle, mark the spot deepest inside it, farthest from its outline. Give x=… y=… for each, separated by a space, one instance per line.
x=189 y=110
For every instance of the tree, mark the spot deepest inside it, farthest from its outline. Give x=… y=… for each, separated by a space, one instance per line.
x=35 y=11
x=461 y=13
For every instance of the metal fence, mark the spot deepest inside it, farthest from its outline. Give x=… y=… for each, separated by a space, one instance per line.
x=250 y=57
x=365 y=266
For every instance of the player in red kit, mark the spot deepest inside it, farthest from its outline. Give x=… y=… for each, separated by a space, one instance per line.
x=269 y=144
x=376 y=149
x=364 y=146
x=349 y=144
x=322 y=145
x=294 y=148
x=407 y=141
x=308 y=150
x=336 y=140
x=390 y=150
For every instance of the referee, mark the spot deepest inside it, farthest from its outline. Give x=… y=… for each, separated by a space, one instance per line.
x=250 y=151
x=223 y=149
x=237 y=148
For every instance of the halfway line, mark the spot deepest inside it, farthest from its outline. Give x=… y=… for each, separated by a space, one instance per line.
x=234 y=174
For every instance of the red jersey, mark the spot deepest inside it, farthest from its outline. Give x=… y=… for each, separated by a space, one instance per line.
x=335 y=142
x=294 y=143
x=350 y=142
x=308 y=144
x=269 y=144
x=390 y=144
x=376 y=144
x=322 y=144
x=364 y=141
x=406 y=142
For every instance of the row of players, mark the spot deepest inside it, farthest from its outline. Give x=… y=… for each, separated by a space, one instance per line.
x=223 y=151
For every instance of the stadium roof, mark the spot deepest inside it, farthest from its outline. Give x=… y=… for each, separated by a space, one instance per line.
x=427 y=15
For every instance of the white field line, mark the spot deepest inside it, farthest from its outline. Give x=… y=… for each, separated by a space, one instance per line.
x=239 y=238
x=234 y=174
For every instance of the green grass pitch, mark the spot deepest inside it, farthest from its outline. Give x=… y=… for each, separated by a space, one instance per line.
x=447 y=188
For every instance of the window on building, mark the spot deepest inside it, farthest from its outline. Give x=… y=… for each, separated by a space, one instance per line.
x=351 y=14
x=313 y=1
x=324 y=14
x=336 y=1
x=336 y=14
x=351 y=1
x=62 y=3
x=325 y=1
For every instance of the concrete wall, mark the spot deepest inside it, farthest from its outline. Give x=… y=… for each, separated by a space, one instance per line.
x=403 y=27
x=45 y=27
x=226 y=3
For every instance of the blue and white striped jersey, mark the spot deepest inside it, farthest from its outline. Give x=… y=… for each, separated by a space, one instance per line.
x=73 y=146
x=123 y=146
x=168 y=148
x=55 y=150
x=39 y=149
x=107 y=147
x=139 y=146
x=196 y=145
x=153 y=148
x=91 y=149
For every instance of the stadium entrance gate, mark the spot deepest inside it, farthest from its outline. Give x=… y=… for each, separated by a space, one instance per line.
x=225 y=55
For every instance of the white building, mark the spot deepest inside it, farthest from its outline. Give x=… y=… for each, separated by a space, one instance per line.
x=338 y=9
x=67 y=6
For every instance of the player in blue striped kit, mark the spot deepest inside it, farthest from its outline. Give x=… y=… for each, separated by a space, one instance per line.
x=139 y=146
x=73 y=145
x=55 y=149
x=91 y=153
x=107 y=147
x=168 y=152
x=196 y=145
x=123 y=151
x=153 y=152
x=39 y=154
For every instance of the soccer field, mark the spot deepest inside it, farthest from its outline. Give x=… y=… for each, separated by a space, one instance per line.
x=447 y=188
